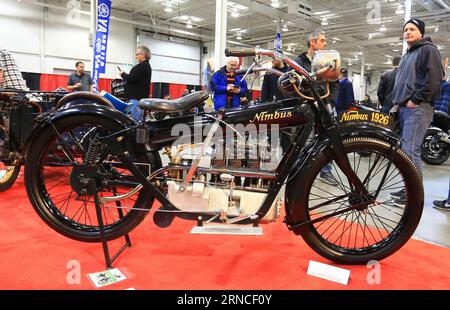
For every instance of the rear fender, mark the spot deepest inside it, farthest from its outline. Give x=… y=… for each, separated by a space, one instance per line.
x=45 y=120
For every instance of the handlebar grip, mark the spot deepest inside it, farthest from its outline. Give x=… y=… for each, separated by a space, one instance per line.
x=240 y=51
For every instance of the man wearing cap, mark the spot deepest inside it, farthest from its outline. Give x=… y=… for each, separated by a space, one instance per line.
x=417 y=85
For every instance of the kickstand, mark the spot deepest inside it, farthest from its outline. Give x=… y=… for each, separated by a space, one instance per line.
x=108 y=259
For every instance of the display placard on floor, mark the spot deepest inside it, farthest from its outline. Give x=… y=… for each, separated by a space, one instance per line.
x=328 y=272
x=107 y=277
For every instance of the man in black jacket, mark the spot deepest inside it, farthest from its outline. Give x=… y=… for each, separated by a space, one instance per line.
x=270 y=92
x=386 y=87
x=138 y=81
x=417 y=85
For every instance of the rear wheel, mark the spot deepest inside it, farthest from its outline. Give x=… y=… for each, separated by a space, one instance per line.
x=56 y=184
x=376 y=230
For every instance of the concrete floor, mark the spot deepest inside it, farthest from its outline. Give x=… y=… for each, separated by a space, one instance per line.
x=434 y=226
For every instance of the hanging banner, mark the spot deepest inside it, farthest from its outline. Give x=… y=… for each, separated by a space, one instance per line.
x=101 y=40
x=278 y=43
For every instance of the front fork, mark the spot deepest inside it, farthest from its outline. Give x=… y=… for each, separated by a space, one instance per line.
x=340 y=156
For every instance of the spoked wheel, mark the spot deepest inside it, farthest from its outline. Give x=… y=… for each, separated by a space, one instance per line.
x=372 y=231
x=56 y=177
x=8 y=175
x=434 y=152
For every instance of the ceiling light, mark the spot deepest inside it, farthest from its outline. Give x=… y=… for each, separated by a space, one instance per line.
x=189 y=24
x=168 y=8
x=400 y=10
x=235 y=13
x=239 y=37
x=285 y=28
x=275 y=4
x=324 y=22
x=383 y=28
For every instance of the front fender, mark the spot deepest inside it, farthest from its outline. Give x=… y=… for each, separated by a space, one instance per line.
x=44 y=120
x=369 y=130
x=349 y=130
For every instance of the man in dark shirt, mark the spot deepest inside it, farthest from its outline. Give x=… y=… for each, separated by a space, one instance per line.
x=386 y=87
x=138 y=81
x=269 y=88
x=79 y=80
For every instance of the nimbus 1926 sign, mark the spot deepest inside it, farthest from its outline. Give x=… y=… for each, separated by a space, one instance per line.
x=101 y=40
x=375 y=118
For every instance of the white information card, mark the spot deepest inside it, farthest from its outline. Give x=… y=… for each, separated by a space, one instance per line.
x=328 y=272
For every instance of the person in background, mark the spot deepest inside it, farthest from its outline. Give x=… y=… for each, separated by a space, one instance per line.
x=270 y=92
x=269 y=89
x=10 y=75
x=79 y=80
x=228 y=88
x=345 y=95
x=386 y=87
x=367 y=102
x=443 y=103
x=138 y=81
x=417 y=86
x=443 y=204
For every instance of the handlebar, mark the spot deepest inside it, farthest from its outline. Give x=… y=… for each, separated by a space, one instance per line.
x=247 y=51
x=240 y=51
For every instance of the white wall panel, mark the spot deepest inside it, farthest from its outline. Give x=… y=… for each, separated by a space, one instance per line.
x=173 y=62
x=32 y=34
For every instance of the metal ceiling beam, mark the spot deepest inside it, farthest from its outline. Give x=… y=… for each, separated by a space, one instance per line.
x=381 y=41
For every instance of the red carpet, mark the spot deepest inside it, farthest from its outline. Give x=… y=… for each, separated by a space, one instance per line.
x=35 y=257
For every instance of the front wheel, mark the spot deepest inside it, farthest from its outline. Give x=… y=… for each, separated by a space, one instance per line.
x=434 y=151
x=376 y=230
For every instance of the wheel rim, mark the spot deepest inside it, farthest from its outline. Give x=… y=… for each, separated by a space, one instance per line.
x=358 y=231
x=433 y=149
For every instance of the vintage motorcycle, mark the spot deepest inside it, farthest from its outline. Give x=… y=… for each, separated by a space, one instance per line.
x=436 y=144
x=115 y=164
x=18 y=109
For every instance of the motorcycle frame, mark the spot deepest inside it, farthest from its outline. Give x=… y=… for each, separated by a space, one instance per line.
x=306 y=114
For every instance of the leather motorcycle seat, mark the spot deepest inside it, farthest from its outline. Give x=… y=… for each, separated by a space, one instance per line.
x=177 y=105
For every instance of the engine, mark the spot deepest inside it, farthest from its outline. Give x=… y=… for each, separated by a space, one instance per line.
x=231 y=179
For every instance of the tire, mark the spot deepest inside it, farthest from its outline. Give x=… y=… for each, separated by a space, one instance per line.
x=395 y=225
x=434 y=153
x=64 y=208
x=8 y=175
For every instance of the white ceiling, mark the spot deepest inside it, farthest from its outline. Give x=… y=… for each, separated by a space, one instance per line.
x=348 y=29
